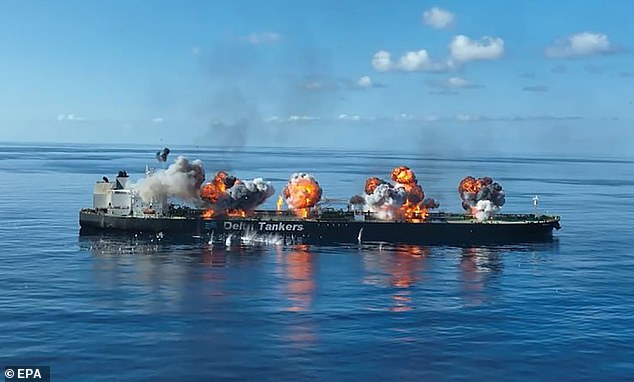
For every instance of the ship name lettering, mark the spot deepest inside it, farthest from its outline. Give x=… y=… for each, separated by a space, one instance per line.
x=264 y=226
x=284 y=227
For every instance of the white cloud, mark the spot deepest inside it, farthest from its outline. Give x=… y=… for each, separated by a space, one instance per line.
x=69 y=117
x=262 y=38
x=382 y=61
x=364 y=82
x=452 y=83
x=468 y=117
x=349 y=117
x=411 y=61
x=580 y=44
x=272 y=119
x=404 y=117
x=157 y=120
x=438 y=18
x=313 y=85
x=302 y=118
x=464 y=49
x=457 y=82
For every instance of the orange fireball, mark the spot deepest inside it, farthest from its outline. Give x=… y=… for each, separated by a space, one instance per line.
x=214 y=190
x=301 y=193
x=403 y=175
x=470 y=185
x=371 y=184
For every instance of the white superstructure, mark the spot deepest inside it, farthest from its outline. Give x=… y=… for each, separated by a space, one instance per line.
x=115 y=198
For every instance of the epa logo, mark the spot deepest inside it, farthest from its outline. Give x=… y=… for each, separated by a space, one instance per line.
x=27 y=373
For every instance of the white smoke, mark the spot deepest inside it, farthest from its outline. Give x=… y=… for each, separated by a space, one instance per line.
x=182 y=180
x=385 y=201
x=248 y=194
x=485 y=209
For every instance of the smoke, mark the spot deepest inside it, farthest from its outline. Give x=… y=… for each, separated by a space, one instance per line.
x=226 y=193
x=248 y=195
x=404 y=198
x=482 y=197
x=161 y=155
x=484 y=209
x=385 y=200
x=182 y=179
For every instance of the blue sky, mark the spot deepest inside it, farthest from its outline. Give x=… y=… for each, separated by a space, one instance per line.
x=517 y=76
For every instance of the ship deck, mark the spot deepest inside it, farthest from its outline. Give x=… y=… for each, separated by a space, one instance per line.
x=332 y=215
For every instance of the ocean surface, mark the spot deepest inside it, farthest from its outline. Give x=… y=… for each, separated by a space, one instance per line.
x=105 y=308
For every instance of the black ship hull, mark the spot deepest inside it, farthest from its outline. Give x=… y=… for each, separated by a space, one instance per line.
x=450 y=229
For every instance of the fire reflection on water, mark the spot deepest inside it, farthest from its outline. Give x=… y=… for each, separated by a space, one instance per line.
x=477 y=266
x=399 y=269
x=298 y=275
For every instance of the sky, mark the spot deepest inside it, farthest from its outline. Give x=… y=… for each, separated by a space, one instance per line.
x=532 y=77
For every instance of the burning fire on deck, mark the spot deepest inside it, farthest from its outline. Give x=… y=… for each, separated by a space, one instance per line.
x=402 y=200
x=230 y=196
x=482 y=197
x=301 y=193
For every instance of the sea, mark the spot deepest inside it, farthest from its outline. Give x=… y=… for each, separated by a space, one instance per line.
x=149 y=308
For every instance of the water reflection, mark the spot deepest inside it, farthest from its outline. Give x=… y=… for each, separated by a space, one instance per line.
x=299 y=287
x=478 y=265
x=300 y=283
x=398 y=268
x=153 y=273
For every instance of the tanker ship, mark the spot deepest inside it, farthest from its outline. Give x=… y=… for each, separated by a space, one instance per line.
x=227 y=208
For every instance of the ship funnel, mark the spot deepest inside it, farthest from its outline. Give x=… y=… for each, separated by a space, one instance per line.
x=122 y=180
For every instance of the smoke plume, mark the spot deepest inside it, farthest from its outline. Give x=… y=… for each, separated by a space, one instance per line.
x=482 y=197
x=182 y=179
x=230 y=195
x=403 y=199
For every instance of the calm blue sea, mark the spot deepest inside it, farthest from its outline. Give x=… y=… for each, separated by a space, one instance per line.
x=146 y=308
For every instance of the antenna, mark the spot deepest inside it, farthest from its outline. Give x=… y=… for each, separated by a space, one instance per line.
x=535 y=204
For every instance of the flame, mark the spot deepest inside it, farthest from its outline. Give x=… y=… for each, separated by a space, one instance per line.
x=280 y=203
x=470 y=185
x=415 y=213
x=237 y=213
x=214 y=190
x=208 y=214
x=302 y=193
x=474 y=190
x=403 y=175
x=371 y=184
x=413 y=209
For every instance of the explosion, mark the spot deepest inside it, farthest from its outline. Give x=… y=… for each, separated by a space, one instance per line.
x=230 y=196
x=404 y=199
x=482 y=197
x=301 y=193
x=216 y=190
x=372 y=183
